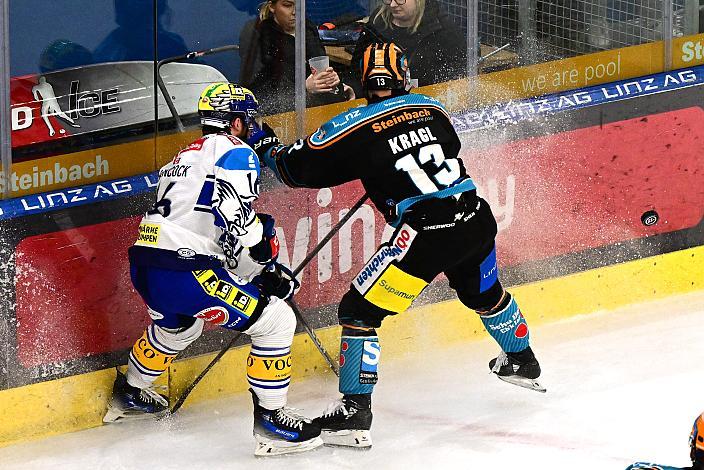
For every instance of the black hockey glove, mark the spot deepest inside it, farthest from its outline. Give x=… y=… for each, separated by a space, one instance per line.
x=267 y=250
x=276 y=281
x=262 y=139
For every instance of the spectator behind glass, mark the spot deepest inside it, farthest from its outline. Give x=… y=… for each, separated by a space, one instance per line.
x=63 y=54
x=268 y=53
x=133 y=39
x=435 y=47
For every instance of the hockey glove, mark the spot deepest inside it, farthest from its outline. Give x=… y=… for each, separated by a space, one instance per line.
x=277 y=281
x=267 y=250
x=262 y=139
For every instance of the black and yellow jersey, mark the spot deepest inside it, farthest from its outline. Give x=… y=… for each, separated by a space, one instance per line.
x=402 y=149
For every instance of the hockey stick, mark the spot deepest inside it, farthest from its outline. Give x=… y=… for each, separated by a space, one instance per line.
x=294 y=307
x=190 y=55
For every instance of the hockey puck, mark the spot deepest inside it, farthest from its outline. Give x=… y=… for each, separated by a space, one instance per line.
x=649 y=218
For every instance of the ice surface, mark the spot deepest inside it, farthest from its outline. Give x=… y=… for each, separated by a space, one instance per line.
x=623 y=385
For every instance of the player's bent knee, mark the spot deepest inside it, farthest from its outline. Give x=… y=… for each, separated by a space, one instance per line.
x=178 y=338
x=276 y=325
x=484 y=301
x=356 y=311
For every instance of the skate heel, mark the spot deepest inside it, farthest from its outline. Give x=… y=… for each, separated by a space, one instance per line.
x=359 y=438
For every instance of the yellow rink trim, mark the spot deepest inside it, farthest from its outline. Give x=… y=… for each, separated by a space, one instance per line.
x=78 y=402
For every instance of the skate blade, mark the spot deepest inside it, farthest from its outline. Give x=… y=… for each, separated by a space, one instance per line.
x=524 y=382
x=266 y=447
x=360 y=438
x=114 y=415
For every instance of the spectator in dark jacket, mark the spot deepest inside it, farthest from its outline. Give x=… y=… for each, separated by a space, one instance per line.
x=268 y=53
x=133 y=39
x=435 y=47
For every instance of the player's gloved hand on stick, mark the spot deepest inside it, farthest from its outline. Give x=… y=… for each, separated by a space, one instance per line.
x=267 y=250
x=277 y=281
x=262 y=139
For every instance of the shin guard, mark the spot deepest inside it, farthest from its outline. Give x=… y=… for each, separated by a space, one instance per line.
x=508 y=327
x=359 y=356
x=269 y=361
x=152 y=354
x=269 y=374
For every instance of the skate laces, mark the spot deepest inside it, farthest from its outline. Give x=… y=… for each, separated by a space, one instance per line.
x=288 y=417
x=501 y=360
x=335 y=407
x=149 y=395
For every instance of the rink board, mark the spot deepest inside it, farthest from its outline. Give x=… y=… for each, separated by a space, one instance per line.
x=78 y=402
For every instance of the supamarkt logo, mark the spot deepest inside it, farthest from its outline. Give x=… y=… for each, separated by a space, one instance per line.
x=88 y=104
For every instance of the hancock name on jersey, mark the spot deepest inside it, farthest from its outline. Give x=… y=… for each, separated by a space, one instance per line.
x=411 y=139
x=176 y=171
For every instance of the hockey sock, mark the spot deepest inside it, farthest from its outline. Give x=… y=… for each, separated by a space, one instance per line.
x=269 y=374
x=152 y=354
x=507 y=326
x=359 y=356
x=269 y=361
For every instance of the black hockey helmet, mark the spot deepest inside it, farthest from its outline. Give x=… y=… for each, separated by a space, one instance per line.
x=384 y=66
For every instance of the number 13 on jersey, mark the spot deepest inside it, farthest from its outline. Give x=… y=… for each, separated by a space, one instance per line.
x=448 y=170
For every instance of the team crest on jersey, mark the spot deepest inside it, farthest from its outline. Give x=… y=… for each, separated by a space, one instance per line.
x=215 y=315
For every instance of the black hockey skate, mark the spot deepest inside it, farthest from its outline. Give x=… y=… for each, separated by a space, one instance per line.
x=347 y=422
x=130 y=403
x=282 y=431
x=519 y=368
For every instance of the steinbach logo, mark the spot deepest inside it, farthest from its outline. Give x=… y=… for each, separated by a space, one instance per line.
x=88 y=104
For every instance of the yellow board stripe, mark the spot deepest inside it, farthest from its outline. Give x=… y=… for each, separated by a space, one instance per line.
x=79 y=402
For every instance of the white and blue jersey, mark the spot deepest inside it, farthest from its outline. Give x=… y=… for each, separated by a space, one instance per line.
x=204 y=204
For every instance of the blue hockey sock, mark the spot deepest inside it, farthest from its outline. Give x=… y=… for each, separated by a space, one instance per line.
x=508 y=327
x=359 y=356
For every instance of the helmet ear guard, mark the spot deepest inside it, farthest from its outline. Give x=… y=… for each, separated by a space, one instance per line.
x=220 y=103
x=384 y=66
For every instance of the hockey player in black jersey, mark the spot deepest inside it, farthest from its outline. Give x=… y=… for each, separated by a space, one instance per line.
x=404 y=150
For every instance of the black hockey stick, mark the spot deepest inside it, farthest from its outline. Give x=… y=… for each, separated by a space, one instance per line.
x=190 y=55
x=294 y=307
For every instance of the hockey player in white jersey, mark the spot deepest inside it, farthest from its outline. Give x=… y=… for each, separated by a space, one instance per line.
x=204 y=255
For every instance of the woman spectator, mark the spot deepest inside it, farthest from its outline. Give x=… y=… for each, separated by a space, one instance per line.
x=268 y=53
x=435 y=47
